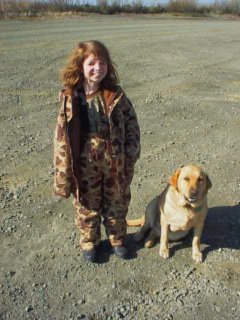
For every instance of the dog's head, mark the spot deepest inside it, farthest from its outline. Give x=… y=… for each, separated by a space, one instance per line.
x=191 y=182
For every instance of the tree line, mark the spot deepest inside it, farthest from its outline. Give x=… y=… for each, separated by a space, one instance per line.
x=38 y=8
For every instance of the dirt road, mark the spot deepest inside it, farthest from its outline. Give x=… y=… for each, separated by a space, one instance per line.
x=183 y=76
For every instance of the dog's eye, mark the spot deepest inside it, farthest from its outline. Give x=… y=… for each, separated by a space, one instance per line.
x=186 y=178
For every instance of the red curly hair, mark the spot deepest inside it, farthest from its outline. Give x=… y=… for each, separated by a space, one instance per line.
x=72 y=74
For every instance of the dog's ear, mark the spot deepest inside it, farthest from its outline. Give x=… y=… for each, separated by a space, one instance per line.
x=209 y=183
x=174 y=178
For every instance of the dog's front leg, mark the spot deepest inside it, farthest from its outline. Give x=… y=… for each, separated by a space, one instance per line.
x=164 y=250
x=196 y=253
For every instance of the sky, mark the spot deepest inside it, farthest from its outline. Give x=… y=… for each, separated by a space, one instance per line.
x=199 y=1
x=144 y=2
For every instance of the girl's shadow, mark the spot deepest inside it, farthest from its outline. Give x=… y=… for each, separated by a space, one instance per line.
x=221 y=230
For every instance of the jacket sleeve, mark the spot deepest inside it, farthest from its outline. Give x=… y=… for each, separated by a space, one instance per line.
x=132 y=139
x=132 y=131
x=63 y=178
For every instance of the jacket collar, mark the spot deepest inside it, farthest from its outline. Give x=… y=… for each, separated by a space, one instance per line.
x=111 y=98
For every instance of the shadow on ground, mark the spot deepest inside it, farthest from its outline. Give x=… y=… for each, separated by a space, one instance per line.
x=222 y=228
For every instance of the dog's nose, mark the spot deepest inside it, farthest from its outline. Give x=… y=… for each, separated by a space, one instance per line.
x=193 y=194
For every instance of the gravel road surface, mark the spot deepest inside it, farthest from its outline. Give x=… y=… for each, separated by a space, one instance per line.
x=183 y=76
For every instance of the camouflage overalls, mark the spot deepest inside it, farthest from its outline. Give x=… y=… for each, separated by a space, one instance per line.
x=97 y=168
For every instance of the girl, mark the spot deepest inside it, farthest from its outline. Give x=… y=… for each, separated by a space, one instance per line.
x=96 y=145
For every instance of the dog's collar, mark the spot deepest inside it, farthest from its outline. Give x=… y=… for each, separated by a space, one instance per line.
x=198 y=209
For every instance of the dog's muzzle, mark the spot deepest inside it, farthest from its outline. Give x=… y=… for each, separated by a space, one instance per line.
x=192 y=197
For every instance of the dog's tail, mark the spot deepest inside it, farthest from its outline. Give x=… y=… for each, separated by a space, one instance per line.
x=136 y=222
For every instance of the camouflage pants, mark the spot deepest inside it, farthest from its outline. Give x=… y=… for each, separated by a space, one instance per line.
x=103 y=198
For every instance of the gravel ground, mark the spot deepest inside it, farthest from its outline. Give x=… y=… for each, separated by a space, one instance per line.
x=183 y=77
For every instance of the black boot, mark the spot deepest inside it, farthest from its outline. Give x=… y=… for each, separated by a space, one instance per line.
x=90 y=255
x=121 y=252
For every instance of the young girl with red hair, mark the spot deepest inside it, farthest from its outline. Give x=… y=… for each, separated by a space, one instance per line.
x=96 y=145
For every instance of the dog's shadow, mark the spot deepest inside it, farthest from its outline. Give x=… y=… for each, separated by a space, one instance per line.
x=221 y=230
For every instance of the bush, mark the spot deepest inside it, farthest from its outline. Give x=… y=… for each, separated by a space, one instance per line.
x=182 y=6
x=226 y=7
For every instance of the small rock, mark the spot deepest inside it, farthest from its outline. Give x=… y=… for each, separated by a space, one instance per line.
x=28 y=308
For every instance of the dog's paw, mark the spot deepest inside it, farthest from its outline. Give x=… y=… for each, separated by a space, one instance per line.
x=197 y=257
x=164 y=253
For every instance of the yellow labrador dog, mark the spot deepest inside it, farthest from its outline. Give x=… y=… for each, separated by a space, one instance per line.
x=180 y=207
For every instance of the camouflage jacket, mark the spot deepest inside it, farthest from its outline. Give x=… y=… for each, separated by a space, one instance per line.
x=124 y=138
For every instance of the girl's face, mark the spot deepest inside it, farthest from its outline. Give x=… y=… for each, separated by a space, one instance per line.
x=94 y=69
